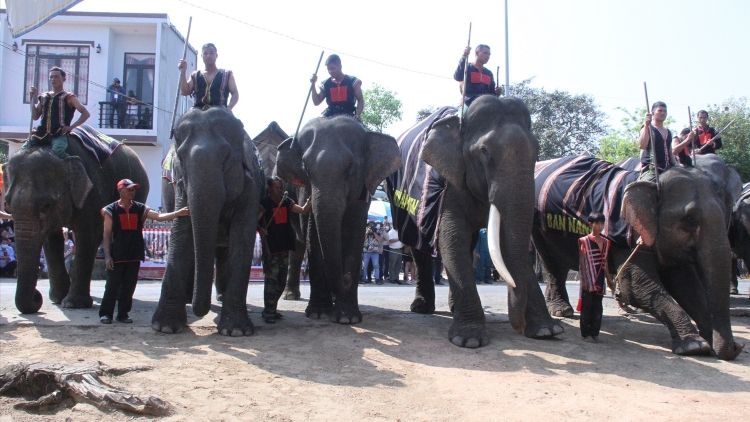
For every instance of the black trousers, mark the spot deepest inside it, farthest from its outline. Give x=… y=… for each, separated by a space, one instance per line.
x=591 y=314
x=7 y=270
x=120 y=288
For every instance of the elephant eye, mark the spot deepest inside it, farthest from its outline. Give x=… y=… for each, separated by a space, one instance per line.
x=485 y=152
x=689 y=224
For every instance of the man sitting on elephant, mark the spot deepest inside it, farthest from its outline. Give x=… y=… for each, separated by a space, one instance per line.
x=662 y=143
x=56 y=109
x=278 y=234
x=201 y=85
x=480 y=80
x=343 y=93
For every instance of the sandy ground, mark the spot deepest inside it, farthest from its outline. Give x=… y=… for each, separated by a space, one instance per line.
x=394 y=366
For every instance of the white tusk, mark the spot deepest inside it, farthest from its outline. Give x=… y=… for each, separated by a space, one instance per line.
x=493 y=239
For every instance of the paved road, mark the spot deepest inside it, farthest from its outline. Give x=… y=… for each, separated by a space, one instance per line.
x=388 y=298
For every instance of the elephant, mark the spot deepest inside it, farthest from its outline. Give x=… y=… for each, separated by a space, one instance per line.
x=219 y=178
x=681 y=270
x=739 y=233
x=46 y=193
x=487 y=163
x=341 y=164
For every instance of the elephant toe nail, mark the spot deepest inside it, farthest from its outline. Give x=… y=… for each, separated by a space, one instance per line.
x=458 y=341
x=472 y=343
x=557 y=330
x=237 y=333
x=544 y=332
x=485 y=341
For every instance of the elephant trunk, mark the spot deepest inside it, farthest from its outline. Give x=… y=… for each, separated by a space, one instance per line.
x=28 y=248
x=328 y=217
x=715 y=265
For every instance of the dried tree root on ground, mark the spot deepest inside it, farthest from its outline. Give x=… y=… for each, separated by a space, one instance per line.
x=82 y=382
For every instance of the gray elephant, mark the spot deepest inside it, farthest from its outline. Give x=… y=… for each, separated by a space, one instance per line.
x=342 y=164
x=485 y=169
x=46 y=193
x=739 y=234
x=219 y=178
x=681 y=271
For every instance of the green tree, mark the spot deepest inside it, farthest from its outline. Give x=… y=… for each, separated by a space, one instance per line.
x=381 y=108
x=564 y=123
x=425 y=113
x=735 y=149
x=623 y=142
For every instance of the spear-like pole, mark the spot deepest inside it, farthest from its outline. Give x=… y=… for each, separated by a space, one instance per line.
x=31 y=104
x=309 y=92
x=717 y=135
x=692 y=148
x=466 y=75
x=498 y=74
x=177 y=96
x=651 y=139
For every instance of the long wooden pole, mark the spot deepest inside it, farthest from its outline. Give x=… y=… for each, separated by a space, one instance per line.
x=651 y=139
x=466 y=74
x=177 y=96
x=692 y=149
x=498 y=73
x=717 y=134
x=31 y=102
x=309 y=92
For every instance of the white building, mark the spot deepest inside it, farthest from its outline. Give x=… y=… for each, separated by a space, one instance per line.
x=140 y=49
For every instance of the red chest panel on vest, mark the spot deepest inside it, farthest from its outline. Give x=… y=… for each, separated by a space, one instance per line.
x=129 y=221
x=339 y=93
x=480 y=78
x=281 y=216
x=704 y=137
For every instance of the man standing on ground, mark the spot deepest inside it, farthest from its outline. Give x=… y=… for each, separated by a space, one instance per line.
x=124 y=249
x=662 y=136
x=343 y=93
x=704 y=134
x=395 y=258
x=210 y=87
x=278 y=235
x=56 y=108
x=116 y=94
x=480 y=80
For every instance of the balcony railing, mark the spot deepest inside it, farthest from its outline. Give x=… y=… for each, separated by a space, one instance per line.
x=123 y=115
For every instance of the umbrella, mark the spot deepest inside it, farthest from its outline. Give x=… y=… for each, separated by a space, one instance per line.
x=379 y=210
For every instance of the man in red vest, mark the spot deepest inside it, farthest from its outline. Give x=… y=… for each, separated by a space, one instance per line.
x=704 y=134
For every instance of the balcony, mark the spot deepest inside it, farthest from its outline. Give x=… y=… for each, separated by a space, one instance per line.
x=122 y=115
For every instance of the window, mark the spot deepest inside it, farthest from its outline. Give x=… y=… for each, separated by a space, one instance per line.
x=139 y=76
x=73 y=59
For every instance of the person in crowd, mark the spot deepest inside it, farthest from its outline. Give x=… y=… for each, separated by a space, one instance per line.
x=117 y=100
x=384 y=249
x=705 y=134
x=483 y=273
x=437 y=269
x=342 y=93
x=394 y=260
x=681 y=147
x=410 y=271
x=69 y=248
x=56 y=108
x=132 y=119
x=370 y=251
x=593 y=250
x=212 y=86
x=145 y=119
x=654 y=125
x=480 y=80
x=124 y=249
x=278 y=240
x=8 y=261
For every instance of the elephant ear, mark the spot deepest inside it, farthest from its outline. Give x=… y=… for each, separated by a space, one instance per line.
x=640 y=209
x=289 y=164
x=443 y=150
x=80 y=184
x=382 y=158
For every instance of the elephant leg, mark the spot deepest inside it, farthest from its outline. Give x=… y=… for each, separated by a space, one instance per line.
x=640 y=285
x=346 y=304
x=88 y=229
x=177 y=285
x=539 y=323
x=59 y=280
x=291 y=292
x=556 y=295
x=684 y=285
x=424 y=295
x=234 y=319
x=468 y=328
x=222 y=271
x=321 y=301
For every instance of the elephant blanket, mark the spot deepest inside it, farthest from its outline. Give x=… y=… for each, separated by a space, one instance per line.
x=570 y=188
x=101 y=145
x=416 y=190
x=632 y=164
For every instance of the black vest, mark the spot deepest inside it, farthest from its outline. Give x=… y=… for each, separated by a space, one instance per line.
x=280 y=232
x=56 y=113
x=127 y=231
x=340 y=98
x=214 y=93
x=663 y=150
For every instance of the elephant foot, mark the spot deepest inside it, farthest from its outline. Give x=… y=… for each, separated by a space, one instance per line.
x=560 y=309
x=547 y=329
x=77 y=301
x=730 y=353
x=219 y=297
x=291 y=295
x=235 y=325
x=30 y=307
x=471 y=335
x=421 y=306
x=169 y=319
x=318 y=311
x=346 y=314
x=691 y=346
x=56 y=296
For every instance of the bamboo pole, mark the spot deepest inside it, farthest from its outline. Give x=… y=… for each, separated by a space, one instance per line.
x=177 y=96
x=309 y=92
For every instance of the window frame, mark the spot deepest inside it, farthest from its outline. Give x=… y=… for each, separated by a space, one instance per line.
x=36 y=45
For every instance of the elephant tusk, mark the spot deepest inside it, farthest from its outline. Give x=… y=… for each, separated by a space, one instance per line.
x=493 y=237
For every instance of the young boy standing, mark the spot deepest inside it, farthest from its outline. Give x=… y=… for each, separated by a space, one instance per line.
x=593 y=251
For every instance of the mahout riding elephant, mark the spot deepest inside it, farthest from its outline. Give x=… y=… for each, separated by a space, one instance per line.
x=486 y=168
x=681 y=270
x=46 y=193
x=219 y=178
x=341 y=164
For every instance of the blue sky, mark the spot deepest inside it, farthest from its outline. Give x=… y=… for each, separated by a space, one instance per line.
x=691 y=53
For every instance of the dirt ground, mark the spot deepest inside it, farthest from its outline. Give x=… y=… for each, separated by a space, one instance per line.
x=394 y=366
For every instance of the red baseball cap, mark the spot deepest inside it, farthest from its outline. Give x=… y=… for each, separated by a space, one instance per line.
x=127 y=183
